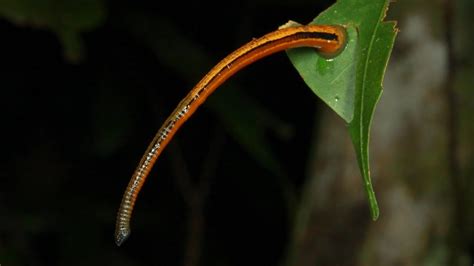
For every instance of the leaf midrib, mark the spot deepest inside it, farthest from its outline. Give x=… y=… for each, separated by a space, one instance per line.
x=364 y=78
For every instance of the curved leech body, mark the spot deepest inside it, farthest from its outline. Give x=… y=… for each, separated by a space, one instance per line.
x=328 y=40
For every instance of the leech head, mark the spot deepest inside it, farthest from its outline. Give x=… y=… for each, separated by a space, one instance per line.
x=337 y=36
x=121 y=235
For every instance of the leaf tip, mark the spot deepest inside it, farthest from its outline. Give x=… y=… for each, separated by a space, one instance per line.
x=374 y=209
x=375 y=214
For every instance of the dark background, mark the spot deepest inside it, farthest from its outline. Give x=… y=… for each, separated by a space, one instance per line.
x=75 y=123
x=262 y=174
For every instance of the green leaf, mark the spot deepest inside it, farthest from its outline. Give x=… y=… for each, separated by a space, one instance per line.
x=372 y=50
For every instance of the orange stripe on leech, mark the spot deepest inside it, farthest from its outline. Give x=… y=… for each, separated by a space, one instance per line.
x=271 y=43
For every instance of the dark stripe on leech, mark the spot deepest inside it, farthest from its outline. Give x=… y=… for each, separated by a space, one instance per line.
x=320 y=35
x=203 y=89
x=297 y=35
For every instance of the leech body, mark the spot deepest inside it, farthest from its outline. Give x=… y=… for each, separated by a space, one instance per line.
x=328 y=40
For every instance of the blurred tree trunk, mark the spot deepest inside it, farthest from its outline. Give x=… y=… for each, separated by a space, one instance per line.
x=410 y=153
